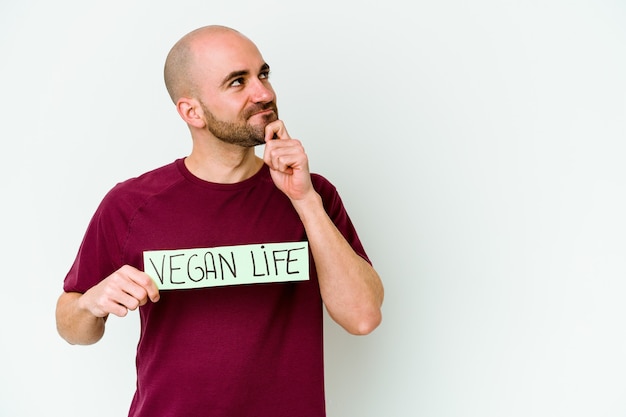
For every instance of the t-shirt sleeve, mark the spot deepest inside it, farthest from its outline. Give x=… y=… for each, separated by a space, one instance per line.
x=99 y=253
x=337 y=212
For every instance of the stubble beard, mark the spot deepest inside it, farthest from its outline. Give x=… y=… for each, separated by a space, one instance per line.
x=241 y=133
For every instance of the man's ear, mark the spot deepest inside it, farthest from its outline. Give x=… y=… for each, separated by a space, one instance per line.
x=191 y=112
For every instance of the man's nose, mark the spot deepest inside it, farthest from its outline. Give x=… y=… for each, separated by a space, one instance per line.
x=262 y=92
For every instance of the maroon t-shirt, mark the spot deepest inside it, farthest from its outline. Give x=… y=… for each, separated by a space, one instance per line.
x=239 y=350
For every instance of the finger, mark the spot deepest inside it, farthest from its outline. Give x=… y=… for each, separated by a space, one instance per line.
x=277 y=158
x=110 y=299
x=284 y=155
x=146 y=287
x=288 y=159
x=129 y=301
x=282 y=164
x=276 y=130
x=118 y=310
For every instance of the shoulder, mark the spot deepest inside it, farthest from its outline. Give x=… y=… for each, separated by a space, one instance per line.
x=327 y=190
x=322 y=185
x=149 y=183
x=134 y=192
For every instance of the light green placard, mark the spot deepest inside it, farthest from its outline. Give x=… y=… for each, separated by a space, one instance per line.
x=228 y=265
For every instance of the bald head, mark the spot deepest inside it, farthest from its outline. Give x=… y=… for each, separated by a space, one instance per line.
x=179 y=72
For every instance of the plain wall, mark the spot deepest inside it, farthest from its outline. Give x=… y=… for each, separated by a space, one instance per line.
x=478 y=146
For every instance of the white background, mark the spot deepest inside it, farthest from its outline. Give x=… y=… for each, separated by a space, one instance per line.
x=478 y=146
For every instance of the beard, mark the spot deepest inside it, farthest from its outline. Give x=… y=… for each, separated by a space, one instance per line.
x=241 y=133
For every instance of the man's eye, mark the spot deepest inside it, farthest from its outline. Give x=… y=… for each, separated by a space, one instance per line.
x=264 y=75
x=237 y=82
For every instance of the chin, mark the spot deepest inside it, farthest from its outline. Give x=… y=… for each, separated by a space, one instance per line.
x=258 y=143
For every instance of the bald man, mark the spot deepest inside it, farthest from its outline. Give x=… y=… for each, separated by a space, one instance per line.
x=218 y=339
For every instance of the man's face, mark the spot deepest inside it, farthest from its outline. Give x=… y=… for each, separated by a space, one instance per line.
x=242 y=132
x=235 y=94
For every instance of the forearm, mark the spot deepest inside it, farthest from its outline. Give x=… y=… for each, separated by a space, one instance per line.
x=351 y=289
x=75 y=324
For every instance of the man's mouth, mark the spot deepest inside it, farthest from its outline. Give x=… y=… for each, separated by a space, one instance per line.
x=263 y=111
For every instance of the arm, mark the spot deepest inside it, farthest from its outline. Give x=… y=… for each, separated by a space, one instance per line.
x=75 y=324
x=351 y=289
x=81 y=317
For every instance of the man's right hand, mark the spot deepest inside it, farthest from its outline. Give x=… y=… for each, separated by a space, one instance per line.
x=124 y=290
x=81 y=317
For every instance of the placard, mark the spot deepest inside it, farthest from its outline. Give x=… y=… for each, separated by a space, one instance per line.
x=228 y=265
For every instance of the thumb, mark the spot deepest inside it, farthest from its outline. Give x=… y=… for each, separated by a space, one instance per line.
x=276 y=130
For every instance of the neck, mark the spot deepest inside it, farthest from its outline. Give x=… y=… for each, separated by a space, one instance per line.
x=223 y=164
